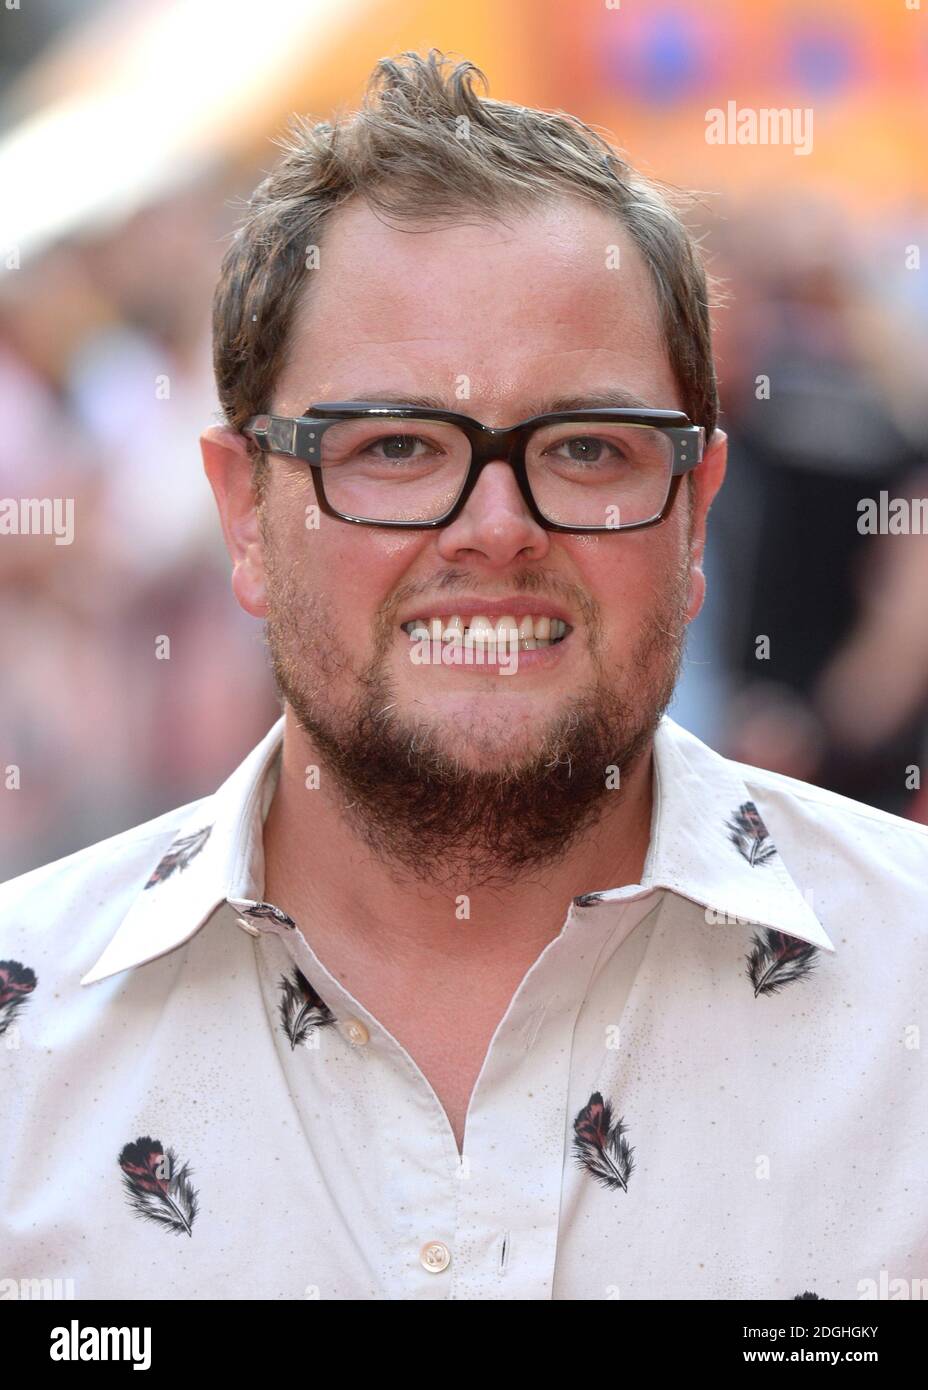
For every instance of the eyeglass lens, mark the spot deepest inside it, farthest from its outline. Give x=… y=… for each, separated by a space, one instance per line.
x=580 y=473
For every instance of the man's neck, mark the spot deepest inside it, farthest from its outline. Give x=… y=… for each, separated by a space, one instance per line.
x=360 y=914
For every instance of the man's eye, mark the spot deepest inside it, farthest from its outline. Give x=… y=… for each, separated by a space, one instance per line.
x=585 y=450
x=397 y=448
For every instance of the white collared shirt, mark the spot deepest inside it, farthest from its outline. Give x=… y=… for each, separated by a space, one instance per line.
x=709 y=1085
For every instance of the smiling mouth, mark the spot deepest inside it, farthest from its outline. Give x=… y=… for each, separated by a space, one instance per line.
x=532 y=631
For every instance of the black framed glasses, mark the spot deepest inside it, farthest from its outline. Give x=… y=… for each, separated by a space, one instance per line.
x=401 y=465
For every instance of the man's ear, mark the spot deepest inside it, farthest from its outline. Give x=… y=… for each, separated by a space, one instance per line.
x=707 y=479
x=228 y=467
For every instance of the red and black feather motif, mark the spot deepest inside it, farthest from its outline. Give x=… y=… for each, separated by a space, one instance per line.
x=156 y=1187
x=179 y=855
x=600 y=1146
x=301 y=1008
x=777 y=960
x=17 y=982
x=750 y=836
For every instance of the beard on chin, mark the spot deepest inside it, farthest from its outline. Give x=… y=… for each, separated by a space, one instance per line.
x=416 y=803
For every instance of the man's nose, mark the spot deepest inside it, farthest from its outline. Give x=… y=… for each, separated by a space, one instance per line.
x=495 y=520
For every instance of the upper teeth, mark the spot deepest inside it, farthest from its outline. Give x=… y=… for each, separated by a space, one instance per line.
x=533 y=630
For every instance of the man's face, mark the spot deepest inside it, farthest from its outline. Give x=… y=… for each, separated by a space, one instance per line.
x=452 y=764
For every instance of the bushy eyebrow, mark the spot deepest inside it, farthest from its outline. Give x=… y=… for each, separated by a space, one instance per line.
x=619 y=399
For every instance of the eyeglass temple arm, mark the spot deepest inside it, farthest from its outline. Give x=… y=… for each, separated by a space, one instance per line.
x=277 y=434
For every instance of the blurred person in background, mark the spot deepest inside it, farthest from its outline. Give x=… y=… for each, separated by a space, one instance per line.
x=816 y=432
x=105 y=377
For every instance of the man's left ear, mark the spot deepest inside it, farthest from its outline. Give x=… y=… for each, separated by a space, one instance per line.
x=707 y=479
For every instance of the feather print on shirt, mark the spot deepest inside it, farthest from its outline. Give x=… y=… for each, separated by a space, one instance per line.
x=778 y=960
x=750 y=836
x=156 y=1187
x=267 y=911
x=17 y=982
x=301 y=1008
x=599 y=1145
x=185 y=848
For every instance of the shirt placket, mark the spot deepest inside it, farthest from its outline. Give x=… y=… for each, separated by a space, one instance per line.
x=439 y=1224
x=518 y=1123
x=380 y=1139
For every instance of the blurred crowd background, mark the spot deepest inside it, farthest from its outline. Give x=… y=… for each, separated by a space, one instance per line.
x=130 y=133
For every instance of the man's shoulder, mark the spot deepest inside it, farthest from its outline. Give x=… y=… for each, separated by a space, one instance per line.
x=108 y=871
x=822 y=831
x=57 y=919
x=843 y=812
x=801 y=802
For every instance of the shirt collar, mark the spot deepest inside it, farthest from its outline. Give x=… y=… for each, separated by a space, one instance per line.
x=708 y=843
x=216 y=853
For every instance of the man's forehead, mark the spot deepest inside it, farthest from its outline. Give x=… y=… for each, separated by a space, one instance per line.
x=614 y=397
x=557 y=301
x=537 y=259
x=553 y=218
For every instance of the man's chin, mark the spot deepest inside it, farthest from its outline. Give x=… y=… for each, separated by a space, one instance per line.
x=460 y=806
x=467 y=742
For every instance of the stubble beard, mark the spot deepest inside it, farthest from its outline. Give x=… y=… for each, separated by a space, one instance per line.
x=414 y=801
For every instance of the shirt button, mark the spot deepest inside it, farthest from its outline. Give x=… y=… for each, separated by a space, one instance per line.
x=250 y=927
x=435 y=1257
x=354 y=1031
